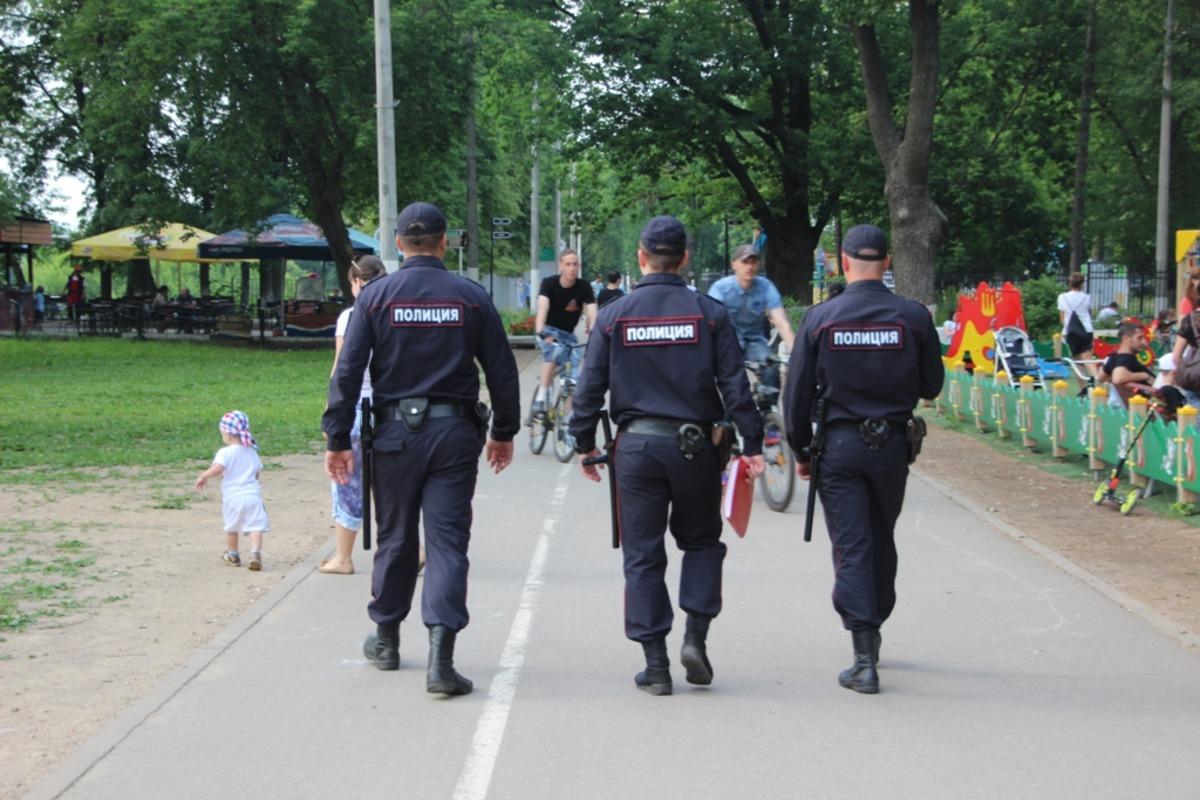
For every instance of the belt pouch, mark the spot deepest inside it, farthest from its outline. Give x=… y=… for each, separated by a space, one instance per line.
x=874 y=432
x=915 y=431
x=414 y=411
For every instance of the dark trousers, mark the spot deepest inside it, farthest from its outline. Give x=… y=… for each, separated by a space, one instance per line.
x=658 y=487
x=432 y=472
x=862 y=491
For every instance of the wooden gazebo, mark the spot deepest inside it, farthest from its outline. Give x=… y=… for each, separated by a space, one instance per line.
x=19 y=237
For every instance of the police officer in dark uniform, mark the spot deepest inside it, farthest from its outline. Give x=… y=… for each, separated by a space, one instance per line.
x=671 y=360
x=869 y=355
x=421 y=329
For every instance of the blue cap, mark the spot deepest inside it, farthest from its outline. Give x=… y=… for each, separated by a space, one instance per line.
x=420 y=219
x=865 y=237
x=664 y=236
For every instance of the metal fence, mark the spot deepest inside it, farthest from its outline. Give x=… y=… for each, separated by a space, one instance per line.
x=1138 y=292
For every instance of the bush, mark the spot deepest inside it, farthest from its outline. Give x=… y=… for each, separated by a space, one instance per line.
x=522 y=327
x=1040 y=299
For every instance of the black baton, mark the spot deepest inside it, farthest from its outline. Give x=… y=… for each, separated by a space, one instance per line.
x=609 y=458
x=367 y=439
x=815 y=448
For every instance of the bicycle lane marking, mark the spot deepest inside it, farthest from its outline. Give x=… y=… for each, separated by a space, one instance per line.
x=476 y=775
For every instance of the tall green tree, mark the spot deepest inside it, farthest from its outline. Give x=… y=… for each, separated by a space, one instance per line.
x=747 y=88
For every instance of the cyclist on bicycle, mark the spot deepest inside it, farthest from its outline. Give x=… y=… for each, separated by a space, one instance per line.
x=562 y=300
x=750 y=298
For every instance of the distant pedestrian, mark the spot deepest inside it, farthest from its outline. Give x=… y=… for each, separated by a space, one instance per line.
x=241 y=493
x=76 y=293
x=1074 y=311
x=612 y=290
x=1109 y=316
x=39 y=305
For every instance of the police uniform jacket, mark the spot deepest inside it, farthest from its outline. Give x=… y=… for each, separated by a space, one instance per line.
x=665 y=351
x=870 y=353
x=421 y=329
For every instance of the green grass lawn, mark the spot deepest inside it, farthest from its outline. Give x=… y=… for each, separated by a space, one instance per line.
x=107 y=403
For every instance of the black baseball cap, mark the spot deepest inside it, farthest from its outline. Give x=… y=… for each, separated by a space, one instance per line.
x=420 y=219
x=664 y=235
x=865 y=237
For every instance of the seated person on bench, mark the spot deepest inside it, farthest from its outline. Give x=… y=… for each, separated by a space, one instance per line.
x=1122 y=368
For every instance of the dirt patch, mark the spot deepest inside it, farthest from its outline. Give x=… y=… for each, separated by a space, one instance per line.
x=1152 y=558
x=121 y=581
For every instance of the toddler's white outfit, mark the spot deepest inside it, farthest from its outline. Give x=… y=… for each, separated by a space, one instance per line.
x=241 y=493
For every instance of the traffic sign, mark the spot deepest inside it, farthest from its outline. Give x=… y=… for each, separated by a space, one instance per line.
x=500 y=222
x=501 y=235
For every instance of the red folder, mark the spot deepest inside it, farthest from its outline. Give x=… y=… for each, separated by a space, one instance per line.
x=739 y=491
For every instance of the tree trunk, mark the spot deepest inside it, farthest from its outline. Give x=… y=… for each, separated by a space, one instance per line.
x=106 y=281
x=139 y=279
x=1086 y=88
x=917 y=223
x=329 y=216
x=790 y=258
x=269 y=279
x=245 y=284
x=205 y=280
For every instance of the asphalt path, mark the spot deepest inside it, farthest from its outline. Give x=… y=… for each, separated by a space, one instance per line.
x=1002 y=676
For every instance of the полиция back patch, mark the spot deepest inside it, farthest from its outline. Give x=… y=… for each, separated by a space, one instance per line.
x=866 y=336
x=664 y=330
x=426 y=314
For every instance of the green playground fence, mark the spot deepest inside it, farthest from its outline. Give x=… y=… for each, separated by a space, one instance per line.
x=1059 y=422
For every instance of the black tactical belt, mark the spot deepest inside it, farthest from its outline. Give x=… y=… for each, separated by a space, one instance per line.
x=854 y=423
x=392 y=411
x=660 y=426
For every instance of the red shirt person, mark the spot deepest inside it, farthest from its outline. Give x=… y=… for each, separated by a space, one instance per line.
x=75 y=292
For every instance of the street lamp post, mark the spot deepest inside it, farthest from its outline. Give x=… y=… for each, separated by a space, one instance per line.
x=728 y=222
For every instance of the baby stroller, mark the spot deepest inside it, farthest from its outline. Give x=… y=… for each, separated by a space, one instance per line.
x=1016 y=357
x=1163 y=402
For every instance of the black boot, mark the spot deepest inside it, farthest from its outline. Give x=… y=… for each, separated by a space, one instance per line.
x=440 y=677
x=383 y=647
x=694 y=655
x=878 y=644
x=862 y=677
x=656 y=678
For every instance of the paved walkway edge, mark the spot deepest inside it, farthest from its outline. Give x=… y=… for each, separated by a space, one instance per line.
x=79 y=762
x=1159 y=622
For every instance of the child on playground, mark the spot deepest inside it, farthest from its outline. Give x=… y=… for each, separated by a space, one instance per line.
x=241 y=493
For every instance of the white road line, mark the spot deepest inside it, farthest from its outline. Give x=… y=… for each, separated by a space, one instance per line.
x=489 y=732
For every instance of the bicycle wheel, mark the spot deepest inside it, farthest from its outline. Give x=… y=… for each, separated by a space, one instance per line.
x=779 y=479
x=537 y=429
x=564 y=442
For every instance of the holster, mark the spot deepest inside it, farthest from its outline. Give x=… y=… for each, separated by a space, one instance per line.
x=722 y=439
x=483 y=415
x=915 y=432
x=414 y=411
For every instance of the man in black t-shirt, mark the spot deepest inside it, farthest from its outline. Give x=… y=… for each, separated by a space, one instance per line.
x=612 y=289
x=1123 y=368
x=562 y=300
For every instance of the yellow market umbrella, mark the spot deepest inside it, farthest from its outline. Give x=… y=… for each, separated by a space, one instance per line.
x=173 y=242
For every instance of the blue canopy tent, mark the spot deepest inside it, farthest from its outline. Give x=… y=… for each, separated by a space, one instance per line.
x=282 y=236
x=278 y=238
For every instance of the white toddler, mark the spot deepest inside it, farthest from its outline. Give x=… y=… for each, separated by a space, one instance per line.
x=241 y=494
